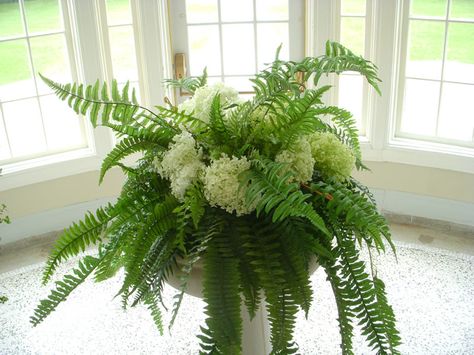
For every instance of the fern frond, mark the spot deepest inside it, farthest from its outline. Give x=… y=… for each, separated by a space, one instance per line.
x=152 y=305
x=266 y=185
x=64 y=288
x=77 y=237
x=189 y=84
x=221 y=294
x=354 y=210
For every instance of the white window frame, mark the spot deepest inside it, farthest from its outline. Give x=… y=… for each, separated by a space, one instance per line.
x=387 y=36
x=84 y=27
x=155 y=63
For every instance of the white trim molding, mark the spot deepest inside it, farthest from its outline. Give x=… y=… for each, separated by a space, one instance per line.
x=47 y=221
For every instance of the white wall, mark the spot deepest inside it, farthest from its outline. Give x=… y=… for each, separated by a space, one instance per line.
x=399 y=188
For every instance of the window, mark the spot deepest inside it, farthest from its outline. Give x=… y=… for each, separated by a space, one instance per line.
x=438 y=78
x=354 y=28
x=234 y=39
x=33 y=40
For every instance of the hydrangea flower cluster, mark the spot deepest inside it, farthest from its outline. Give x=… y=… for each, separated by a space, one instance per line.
x=181 y=163
x=222 y=187
x=332 y=157
x=200 y=104
x=299 y=160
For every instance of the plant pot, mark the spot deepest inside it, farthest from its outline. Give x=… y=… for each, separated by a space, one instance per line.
x=256 y=331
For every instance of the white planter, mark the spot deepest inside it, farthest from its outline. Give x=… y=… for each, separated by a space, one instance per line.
x=256 y=332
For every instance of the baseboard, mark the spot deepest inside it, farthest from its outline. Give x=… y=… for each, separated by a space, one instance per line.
x=425 y=209
x=401 y=207
x=48 y=221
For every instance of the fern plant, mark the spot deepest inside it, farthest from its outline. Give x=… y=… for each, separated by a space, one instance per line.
x=256 y=190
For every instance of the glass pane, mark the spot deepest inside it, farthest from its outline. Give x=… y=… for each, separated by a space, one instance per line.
x=119 y=12
x=232 y=10
x=239 y=49
x=50 y=59
x=462 y=9
x=43 y=15
x=15 y=74
x=4 y=148
x=10 y=19
x=23 y=123
x=240 y=83
x=460 y=57
x=420 y=107
x=204 y=49
x=353 y=7
x=201 y=11
x=435 y=8
x=351 y=89
x=353 y=34
x=269 y=37
x=275 y=10
x=425 y=53
x=62 y=126
x=456 y=118
x=122 y=49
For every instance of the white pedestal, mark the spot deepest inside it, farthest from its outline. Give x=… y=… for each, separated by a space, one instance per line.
x=256 y=332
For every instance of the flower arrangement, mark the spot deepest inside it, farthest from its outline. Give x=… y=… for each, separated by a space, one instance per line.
x=255 y=190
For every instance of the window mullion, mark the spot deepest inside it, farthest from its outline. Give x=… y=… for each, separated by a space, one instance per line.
x=443 y=64
x=84 y=15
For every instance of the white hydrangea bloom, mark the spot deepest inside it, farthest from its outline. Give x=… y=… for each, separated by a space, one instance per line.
x=221 y=184
x=181 y=163
x=332 y=157
x=299 y=159
x=201 y=102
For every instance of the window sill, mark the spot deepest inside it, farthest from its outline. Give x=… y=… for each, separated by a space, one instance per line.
x=426 y=154
x=48 y=168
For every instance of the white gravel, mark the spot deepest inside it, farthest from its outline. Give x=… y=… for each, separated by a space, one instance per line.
x=432 y=292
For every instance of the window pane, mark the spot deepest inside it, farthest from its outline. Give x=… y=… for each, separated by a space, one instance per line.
x=420 y=107
x=353 y=34
x=122 y=49
x=118 y=12
x=456 y=118
x=460 y=57
x=353 y=7
x=201 y=11
x=23 y=123
x=63 y=127
x=351 y=89
x=43 y=15
x=50 y=59
x=4 y=149
x=269 y=37
x=275 y=10
x=204 y=49
x=232 y=10
x=239 y=49
x=240 y=83
x=462 y=9
x=10 y=19
x=15 y=75
x=435 y=8
x=425 y=53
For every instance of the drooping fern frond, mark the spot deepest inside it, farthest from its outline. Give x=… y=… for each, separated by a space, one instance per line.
x=152 y=304
x=267 y=187
x=76 y=238
x=361 y=297
x=221 y=294
x=94 y=100
x=64 y=288
x=357 y=212
x=338 y=59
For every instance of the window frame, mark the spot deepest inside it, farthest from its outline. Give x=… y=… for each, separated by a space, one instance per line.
x=84 y=22
x=381 y=143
